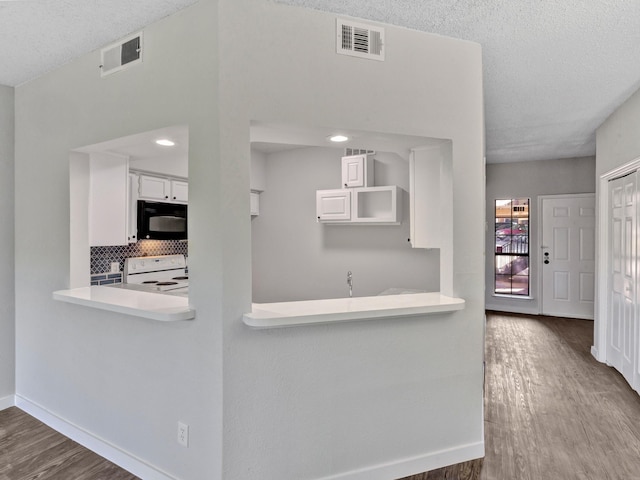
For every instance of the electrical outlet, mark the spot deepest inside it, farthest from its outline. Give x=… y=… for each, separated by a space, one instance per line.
x=183 y=434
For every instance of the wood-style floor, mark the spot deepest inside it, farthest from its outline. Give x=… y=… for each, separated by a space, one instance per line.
x=551 y=413
x=30 y=450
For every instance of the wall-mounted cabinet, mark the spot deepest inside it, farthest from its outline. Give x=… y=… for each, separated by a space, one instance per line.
x=108 y=199
x=360 y=206
x=132 y=220
x=357 y=171
x=333 y=205
x=163 y=189
x=179 y=191
x=431 y=196
x=153 y=188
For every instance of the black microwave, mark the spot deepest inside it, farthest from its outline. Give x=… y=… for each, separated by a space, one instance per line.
x=162 y=221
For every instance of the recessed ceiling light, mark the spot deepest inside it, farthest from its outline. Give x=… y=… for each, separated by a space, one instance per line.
x=165 y=142
x=338 y=138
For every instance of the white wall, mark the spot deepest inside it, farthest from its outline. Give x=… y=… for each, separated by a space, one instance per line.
x=617 y=144
x=258 y=180
x=384 y=398
x=297 y=258
x=530 y=180
x=7 y=313
x=378 y=397
x=173 y=166
x=124 y=379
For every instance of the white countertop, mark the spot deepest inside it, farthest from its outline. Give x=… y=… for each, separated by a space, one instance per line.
x=156 y=306
x=287 y=314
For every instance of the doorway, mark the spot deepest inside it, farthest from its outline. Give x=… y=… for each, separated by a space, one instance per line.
x=616 y=340
x=567 y=258
x=621 y=273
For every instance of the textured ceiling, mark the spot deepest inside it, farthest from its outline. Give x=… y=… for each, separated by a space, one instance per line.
x=553 y=69
x=39 y=35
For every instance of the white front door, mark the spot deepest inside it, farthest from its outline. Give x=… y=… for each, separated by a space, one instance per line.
x=568 y=255
x=622 y=272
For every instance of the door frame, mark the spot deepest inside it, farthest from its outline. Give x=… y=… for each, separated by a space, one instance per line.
x=599 y=347
x=539 y=271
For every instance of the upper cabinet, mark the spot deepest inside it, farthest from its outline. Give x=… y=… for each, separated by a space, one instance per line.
x=360 y=206
x=430 y=196
x=163 y=189
x=132 y=221
x=357 y=171
x=333 y=205
x=179 y=191
x=154 y=188
x=359 y=201
x=108 y=199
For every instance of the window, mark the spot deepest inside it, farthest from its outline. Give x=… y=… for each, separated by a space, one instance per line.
x=512 y=247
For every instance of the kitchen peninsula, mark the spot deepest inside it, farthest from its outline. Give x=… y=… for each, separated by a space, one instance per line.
x=288 y=314
x=155 y=306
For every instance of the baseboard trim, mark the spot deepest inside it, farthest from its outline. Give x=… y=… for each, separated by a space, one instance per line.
x=596 y=354
x=7 y=402
x=415 y=465
x=103 y=448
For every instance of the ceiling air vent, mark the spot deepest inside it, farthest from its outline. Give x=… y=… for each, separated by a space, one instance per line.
x=122 y=54
x=360 y=40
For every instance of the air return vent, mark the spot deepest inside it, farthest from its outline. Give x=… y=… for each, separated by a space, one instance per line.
x=348 y=152
x=122 y=54
x=359 y=40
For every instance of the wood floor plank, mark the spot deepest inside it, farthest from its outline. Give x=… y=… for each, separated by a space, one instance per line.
x=30 y=450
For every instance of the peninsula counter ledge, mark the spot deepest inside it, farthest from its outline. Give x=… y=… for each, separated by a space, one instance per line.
x=289 y=314
x=155 y=306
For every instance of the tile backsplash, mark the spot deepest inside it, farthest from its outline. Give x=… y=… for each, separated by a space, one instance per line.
x=102 y=257
x=106 y=278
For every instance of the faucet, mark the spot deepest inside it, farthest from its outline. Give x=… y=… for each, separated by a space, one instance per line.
x=350 y=283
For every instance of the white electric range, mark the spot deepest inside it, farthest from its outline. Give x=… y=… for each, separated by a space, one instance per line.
x=158 y=274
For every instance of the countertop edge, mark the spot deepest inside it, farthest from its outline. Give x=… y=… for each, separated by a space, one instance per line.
x=266 y=315
x=90 y=297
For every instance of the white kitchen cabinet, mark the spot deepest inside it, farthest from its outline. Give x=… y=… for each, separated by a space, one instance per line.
x=430 y=196
x=179 y=191
x=380 y=205
x=108 y=199
x=132 y=221
x=360 y=206
x=357 y=171
x=254 y=203
x=163 y=189
x=332 y=205
x=154 y=188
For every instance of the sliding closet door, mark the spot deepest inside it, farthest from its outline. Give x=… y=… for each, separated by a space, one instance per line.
x=621 y=344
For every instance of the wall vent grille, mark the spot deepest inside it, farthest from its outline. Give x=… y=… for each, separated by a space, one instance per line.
x=122 y=54
x=359 y=40
x=357 y=151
